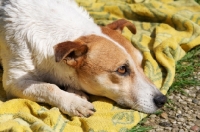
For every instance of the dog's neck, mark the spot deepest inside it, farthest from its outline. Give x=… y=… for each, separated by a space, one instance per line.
x=58 y=25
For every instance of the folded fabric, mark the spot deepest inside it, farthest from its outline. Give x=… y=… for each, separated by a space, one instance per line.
x=166 y=30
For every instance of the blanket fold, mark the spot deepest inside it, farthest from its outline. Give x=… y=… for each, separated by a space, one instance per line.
x=166 y=30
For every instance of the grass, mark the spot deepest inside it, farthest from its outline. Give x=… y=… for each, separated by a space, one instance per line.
x=187 y=71
x=198 y=1
x=140 y=128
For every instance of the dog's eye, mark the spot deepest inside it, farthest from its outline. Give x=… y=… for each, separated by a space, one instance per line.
x=122 y=70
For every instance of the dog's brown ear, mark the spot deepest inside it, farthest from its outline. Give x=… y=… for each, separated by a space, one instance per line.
x=70 y=52
x=120 y=24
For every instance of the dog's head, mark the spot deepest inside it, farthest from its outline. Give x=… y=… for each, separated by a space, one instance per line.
x=108 y=65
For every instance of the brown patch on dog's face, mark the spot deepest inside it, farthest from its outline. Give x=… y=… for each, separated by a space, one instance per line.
x=114 y=78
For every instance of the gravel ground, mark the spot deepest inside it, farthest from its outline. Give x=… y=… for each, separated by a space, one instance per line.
x=182 y=114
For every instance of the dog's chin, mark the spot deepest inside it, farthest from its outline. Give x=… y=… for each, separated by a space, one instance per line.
x=147 y=110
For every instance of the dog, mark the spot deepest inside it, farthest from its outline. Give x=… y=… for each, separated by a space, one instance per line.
x=52 y=43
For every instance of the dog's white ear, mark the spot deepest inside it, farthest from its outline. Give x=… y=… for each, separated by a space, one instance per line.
x=120 y=24
x=70 y=52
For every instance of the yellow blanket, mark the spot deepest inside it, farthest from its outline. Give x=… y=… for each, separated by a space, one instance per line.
x=166 y=30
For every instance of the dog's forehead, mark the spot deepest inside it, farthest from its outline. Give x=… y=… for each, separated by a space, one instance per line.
x=103 y=45
x=107 y=52
x=125 y=43
x=119 y=38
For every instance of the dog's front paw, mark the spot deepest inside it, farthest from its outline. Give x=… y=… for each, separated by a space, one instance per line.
x=76 y=106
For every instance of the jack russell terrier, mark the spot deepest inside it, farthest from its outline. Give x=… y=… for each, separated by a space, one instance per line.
x=45 y=44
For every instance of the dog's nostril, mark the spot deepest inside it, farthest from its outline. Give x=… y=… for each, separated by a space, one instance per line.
x=160 y=100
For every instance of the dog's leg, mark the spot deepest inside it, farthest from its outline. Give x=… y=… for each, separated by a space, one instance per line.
x=77 y=93
x=68 y=103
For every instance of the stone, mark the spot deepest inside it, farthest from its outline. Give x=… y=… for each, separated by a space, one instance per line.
x=189 y=100
x=179 y=112
x=159 y=130
x=175 y=129
x=164 y=115
x=198 y=92
x=152 y=116
x=195 y=128
x=152 y=120
x=191 y=88
x=198 y=96
x=181 y=130
x=152 y=131
x=190 y=111
x=171 y=113
x=168 y=128
x=183 y=102
x=187 y=127
x=179 y=116
x=178 y=95
x=195 y=101
x=192 y=95
x=146 y=122
x=179 y=122
x=191 y=123
x=183 y=97
x=156 y=126
x=197 y=122
x=173 y=121
x=180 y=100
x=165 y=124
x=197 y=87
x=181 y=119
x=198 y=116
x=187 y=91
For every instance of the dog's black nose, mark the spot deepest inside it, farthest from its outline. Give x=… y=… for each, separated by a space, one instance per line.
x=160 y=100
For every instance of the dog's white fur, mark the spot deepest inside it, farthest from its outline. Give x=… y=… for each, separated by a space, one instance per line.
x=29 y=32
